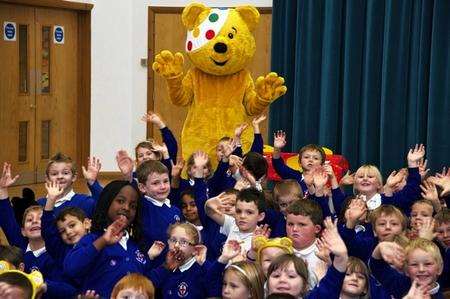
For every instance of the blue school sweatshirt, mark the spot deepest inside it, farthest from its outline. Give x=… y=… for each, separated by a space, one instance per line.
x=359 y=244
x=194 y=282
x=285 y=172
x=100 y=270
x=329 y=286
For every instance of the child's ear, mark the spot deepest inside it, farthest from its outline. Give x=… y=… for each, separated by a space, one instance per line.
x=191 y=15
x=317 y=229
x=250 y=15
x=87 y=223
x=142 y=188
x=21 y=267
x=261 y=216
x=23 y=232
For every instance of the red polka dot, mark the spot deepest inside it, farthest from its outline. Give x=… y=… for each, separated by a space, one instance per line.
x=210 y=34
x=189 y=45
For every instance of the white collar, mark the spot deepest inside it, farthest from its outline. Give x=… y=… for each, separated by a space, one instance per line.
x=373 y=202
x=360 y=228
x=435 y=289
x=62 y=200
x=187 y=265
x=157 y=202
x=306 y=251
x=198 y=227
x=37 y=252
x=123 y=241
x=191 y=182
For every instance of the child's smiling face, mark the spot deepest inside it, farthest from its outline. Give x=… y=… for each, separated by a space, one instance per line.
x=124 y=204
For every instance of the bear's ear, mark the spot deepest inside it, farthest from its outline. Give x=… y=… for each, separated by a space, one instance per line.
x=250 y=15
x=191 y=15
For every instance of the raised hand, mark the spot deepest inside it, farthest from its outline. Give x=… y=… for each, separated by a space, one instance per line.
x=6 y=180
x=168 y=65
x=255 y=123
x=153 y=118
x=230 y=250
x=320 y=178
x=177 y=168
x=418 y=291
x=90 y=294
x=415 y=155
x=323 y=252
x=270 y=87
x=239 y=130
x=200 y=253
x=93 y=168
x=355 y=211
x=279 y=139
x=156 y=249
x=333 y=241
x=443 y=180
x=54 y=191
x=348 y=179
x=391 y=253
x=394 y=179
x=174 y=258
x=423 y=170
x=227 y=149
x=426 y=229
x=114 y=232
x=162 y=148
x=429 y=192
x=125 y=164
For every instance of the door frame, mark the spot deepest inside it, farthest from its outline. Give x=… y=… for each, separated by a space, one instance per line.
x=83 y=11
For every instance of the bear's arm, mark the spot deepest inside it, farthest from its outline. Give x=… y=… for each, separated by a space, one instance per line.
x=181 y=92
x=253 y=104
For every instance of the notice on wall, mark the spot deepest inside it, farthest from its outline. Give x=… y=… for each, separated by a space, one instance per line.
x=9 y=31
x=58 y=34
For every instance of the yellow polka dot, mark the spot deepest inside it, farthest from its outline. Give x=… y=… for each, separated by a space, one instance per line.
x=196 y=32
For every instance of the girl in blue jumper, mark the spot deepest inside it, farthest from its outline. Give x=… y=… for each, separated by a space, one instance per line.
x=110 y=251
x=186 y=274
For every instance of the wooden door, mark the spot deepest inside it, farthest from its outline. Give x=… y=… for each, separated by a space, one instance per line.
x=17 y=94
x=167 y=32
x=38 y=89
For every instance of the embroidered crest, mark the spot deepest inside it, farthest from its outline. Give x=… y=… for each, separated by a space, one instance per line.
x=140 y=257
x=112 y=263
x=176 y=218
x=183 y=290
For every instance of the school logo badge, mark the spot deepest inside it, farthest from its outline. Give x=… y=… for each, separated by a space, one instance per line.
x=183 y=290
x=140 y=257
x=112 y=263
x=177 y=218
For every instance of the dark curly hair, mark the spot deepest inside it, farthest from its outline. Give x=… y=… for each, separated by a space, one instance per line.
x=100 y=219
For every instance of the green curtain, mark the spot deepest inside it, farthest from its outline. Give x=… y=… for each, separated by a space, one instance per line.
x=368 y=79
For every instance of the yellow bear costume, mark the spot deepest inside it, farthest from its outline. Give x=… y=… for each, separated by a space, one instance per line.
x=219 y=90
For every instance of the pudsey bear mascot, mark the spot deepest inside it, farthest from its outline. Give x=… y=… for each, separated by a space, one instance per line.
x=218 y=90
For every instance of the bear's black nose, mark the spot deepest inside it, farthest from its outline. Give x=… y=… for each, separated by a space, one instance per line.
x=220 y=47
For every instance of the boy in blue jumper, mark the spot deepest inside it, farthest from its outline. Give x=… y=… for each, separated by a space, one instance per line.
x=157 y=210
x=29 y=239
x=61 y=169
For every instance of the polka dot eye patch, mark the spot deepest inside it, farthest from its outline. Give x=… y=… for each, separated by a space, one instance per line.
x=207 y=30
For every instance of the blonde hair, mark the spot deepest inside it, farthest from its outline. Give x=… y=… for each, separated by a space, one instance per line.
x=190 y=229
x=388 y=210
x=251 y=276
x=148 y=144
x=427 y=246
x=287 y=187
x=33 y=208
x=60 y=158
x=134 y=281
x=371 y=170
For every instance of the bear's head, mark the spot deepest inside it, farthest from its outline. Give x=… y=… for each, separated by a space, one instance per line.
x=220 y=41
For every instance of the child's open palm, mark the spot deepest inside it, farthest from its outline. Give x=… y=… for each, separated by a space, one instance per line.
x=54 y=190
x=230 y=250
x=156 y=249
x=240 y=129
x=279 y=139
x=153 y=118
x=6 y=179
x=415 y=155
x=177 y=168
x=93 y=168
x=347 y=179
x=114 y=232
x=125 y=163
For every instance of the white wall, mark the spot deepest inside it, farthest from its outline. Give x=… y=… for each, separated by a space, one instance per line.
x=119 y=82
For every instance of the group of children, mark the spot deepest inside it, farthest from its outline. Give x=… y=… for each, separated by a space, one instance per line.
x=220 y=233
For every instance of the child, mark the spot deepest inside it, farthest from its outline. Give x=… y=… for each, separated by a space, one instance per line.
x=157 y=211
x=310 y=156
x=267 y=250
x=289 y=274
x=442 y=221
x=243 y=280
x=250 y=207
x=185 y=273
x=421 y=261
x=61 y=169
x=64 y=231
x=17 y=284
x=422 y=212
x=29 y=239
x=110 y=251
x=358 y=283
x=133 y=286
x=13 y=255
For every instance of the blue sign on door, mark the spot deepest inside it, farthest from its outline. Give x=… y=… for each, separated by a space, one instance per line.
x=9 y=31
x=58 y=35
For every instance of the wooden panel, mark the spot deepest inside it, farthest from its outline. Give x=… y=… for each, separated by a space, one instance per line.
x=59 y=106
x=167 y=32
x=17 y=107
x=54 y=4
